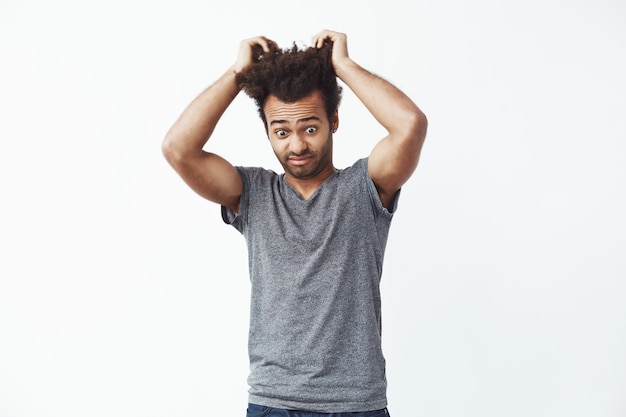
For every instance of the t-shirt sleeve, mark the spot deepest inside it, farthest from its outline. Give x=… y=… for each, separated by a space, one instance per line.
x=374 y=196
x=231 y=217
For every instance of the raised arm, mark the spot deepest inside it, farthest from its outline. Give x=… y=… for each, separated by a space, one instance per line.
x=395 y=157
x=208 y=174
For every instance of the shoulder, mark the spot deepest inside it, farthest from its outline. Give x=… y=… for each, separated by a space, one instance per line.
x=358 y=175
x=356 y=170
x=354 y=181
x=256 y=174
x=255 y=171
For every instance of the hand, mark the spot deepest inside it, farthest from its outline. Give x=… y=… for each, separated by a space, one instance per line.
x=250 y=50
x=340 y=46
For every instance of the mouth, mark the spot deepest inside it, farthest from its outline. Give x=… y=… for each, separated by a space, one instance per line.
x=299 y=160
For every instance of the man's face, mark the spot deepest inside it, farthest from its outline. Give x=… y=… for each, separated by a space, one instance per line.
x=300 y=134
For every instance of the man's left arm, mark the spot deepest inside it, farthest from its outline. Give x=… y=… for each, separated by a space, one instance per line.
x=395 y=157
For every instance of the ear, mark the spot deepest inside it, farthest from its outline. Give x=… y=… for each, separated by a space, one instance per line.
x=335 y=121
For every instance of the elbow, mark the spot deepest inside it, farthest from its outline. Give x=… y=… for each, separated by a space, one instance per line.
x=420 y=123
x=417 y=125
x=167 y=149
x=171 y=151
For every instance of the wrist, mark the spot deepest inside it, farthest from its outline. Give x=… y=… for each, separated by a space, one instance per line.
x=228 y=81
x=344 y=66
x=236 y=69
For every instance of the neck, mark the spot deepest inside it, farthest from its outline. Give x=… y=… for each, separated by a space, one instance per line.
x=307 y=186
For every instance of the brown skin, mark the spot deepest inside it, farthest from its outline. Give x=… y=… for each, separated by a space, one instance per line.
x=394 y=158
x=301 y=137
x=391 y=162
x=208 y=174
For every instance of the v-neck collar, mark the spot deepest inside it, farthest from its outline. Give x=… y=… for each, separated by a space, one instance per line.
x=283 y=180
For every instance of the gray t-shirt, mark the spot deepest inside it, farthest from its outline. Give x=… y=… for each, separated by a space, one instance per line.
x=315 y=268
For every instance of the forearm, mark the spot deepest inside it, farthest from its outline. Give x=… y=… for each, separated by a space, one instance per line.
x=395 y=157
x=195 y=125
x=389 y=106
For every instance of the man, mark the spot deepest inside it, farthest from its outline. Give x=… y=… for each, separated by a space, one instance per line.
x=316 y=235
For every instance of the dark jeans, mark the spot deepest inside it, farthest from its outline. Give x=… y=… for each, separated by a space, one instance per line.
x=263 y=411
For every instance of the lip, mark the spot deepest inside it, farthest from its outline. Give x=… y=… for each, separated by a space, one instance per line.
x=299 y=160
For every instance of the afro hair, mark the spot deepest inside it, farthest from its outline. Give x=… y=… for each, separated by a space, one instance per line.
x=290 y=75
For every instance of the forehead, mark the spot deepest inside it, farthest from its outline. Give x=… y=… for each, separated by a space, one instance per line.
x=310 y=106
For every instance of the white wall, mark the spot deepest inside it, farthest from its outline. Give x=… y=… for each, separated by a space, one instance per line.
x=123 y=294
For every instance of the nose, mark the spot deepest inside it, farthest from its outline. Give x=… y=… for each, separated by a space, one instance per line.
x=297 y=144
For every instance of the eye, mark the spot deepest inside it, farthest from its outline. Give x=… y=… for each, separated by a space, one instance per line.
x=310 y=129
x=280 y=133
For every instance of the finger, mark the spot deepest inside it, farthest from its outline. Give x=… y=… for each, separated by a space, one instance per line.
x=262 y=41
x=267 y=44
x=318 y=40
x=325 y=35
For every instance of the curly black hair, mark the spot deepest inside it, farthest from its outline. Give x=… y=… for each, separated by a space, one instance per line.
x=290 y=75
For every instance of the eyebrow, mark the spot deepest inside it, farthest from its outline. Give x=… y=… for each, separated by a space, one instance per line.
x=303 y=120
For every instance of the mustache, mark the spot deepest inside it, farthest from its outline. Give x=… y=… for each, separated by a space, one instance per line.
x=299 y=155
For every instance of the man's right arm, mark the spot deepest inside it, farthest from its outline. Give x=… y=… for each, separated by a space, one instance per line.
x=208 y=174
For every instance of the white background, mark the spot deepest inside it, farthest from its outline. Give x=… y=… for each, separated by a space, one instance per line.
x=123 y=294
